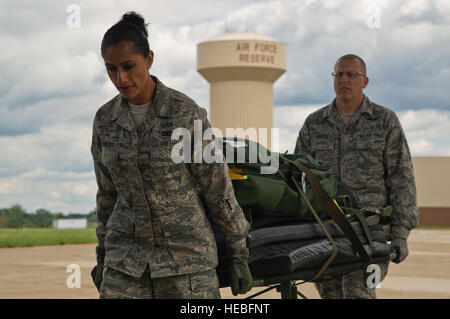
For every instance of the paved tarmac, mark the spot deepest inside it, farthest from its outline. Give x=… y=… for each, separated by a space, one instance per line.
x=42 y=272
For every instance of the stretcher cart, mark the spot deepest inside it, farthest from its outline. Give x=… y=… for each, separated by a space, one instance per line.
x=321 y=245
x=282 y=257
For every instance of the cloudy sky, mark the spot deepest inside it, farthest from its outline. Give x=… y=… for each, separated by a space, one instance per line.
x=52 y=78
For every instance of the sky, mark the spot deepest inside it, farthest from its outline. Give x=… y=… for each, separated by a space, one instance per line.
x=52 y=76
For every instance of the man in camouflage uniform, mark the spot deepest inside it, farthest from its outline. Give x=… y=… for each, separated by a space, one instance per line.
x=154 y=238
x=364 y=146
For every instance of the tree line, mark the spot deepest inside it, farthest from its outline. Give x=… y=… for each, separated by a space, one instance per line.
x=17 y=217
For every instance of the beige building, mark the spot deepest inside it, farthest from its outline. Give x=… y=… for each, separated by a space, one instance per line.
x=432 y=176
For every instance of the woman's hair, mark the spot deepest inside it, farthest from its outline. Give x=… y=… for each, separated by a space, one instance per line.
x=131 y=28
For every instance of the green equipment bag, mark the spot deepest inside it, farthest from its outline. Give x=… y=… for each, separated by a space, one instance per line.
x=273 y=194
x=294 y=188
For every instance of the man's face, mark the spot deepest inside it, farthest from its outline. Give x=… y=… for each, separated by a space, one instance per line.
x=349 y=88
x=128 y=71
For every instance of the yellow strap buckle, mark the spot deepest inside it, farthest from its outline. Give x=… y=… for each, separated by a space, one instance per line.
x=237 y=174
x=340 y=209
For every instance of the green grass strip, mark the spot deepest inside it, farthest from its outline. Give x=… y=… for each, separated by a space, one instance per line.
x=27 y=237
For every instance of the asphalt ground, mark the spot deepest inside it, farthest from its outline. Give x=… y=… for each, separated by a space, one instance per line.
x=47 y=272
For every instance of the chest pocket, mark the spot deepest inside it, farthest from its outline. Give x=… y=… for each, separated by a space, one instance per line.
x=375 y=144
x=167 y=176
x=371 y=150
x=322 y=150
x=115 y=159
x=370 y=155
x=164 y=151
x=167 y=173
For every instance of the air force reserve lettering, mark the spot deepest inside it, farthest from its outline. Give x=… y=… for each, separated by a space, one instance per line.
x=257 y=52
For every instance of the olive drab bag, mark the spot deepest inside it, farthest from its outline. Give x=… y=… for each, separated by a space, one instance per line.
x=295 y=188
x=273 y=194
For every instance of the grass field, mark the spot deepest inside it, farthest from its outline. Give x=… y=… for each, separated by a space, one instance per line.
x=27 y=237
x=42 y=237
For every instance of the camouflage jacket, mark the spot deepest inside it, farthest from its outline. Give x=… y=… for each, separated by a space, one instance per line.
x=149 y=211
x=369 y=156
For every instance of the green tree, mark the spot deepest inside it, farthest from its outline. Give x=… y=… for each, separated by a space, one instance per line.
x=58 y=215
x=16 y=216
x=92 y=218
x=2 y=220
x=42 y=218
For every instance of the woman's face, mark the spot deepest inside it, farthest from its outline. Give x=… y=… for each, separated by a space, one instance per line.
x=129 y=72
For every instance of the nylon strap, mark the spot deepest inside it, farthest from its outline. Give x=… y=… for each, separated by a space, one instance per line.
x=362 y=219
x=324 y=229
x=333 y=210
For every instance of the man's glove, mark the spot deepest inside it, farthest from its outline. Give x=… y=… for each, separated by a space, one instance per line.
x=240 y=276
x=401 y=249
x=399 y=235
x=97 y=271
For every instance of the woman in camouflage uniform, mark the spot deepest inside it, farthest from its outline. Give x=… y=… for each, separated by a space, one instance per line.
x=154 y=239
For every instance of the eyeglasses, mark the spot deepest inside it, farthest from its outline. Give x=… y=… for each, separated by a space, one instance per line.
x=349 y=74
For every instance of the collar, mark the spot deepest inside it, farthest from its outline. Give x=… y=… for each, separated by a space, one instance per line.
x=162 y=106
x=332 y=114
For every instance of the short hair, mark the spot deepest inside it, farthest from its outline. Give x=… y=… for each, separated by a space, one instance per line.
x=130 y=28
x=353 y=56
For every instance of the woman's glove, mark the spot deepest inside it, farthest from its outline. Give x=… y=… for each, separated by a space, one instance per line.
x=97 y=271
x=240 y=276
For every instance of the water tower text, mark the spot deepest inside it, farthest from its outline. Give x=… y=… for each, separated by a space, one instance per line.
x=256 y=52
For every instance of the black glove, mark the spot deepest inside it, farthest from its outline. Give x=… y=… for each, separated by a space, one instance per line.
x=241 y=279
x=399 y=234
x=401 y=249
x=97 y=271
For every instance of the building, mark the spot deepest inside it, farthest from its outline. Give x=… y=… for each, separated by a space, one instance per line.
x=432 y=176
x=64 y=223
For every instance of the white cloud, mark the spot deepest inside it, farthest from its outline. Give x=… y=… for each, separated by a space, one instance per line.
x=426 y=131
x=289 y=120
x=53 y=79
x=56 y=191
x=422 y=146
x=414 y=7
x=62 y=147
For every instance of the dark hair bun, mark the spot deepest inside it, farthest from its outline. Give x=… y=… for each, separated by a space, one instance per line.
x=135 y=19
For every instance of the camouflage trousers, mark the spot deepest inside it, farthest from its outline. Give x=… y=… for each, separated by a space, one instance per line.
x=117 y=285
x=350 y=286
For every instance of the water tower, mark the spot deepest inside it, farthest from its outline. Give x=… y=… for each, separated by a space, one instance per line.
x=241 y=69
